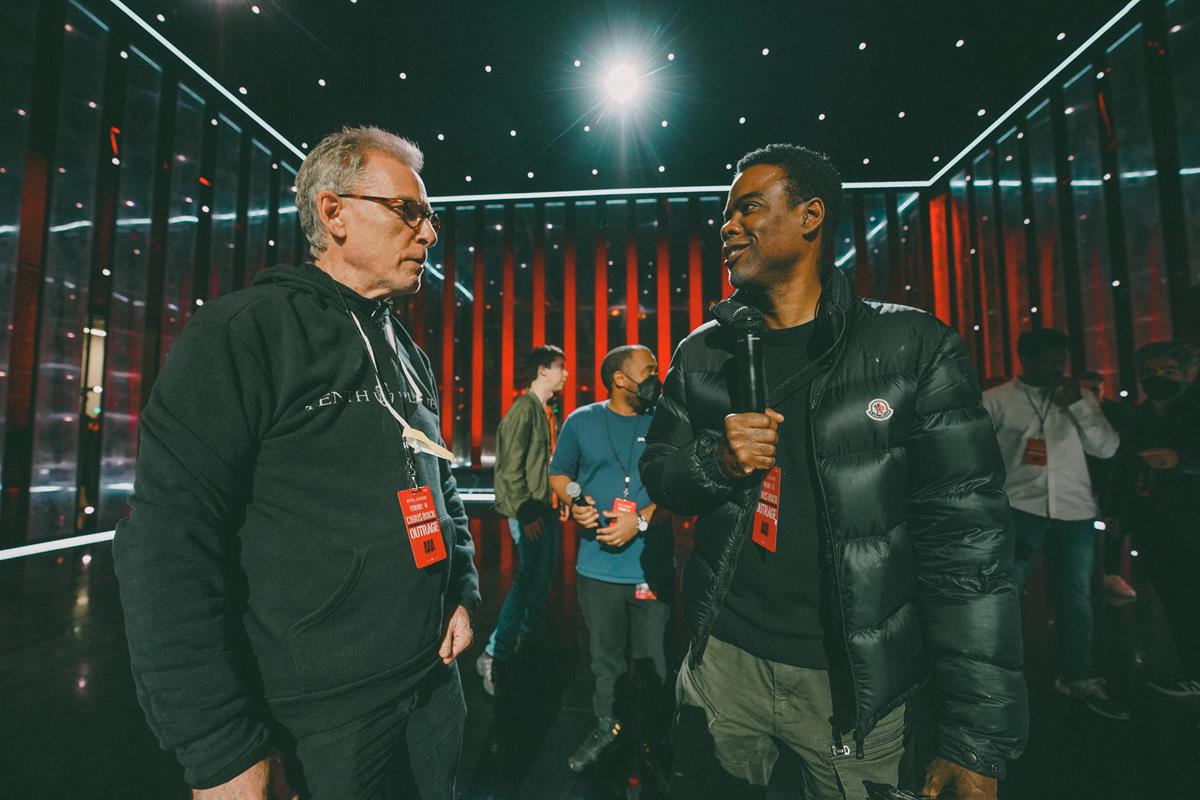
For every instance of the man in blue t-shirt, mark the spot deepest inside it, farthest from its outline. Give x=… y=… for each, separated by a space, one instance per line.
x=626 y=567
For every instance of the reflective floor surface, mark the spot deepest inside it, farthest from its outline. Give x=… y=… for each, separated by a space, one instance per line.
x=70 y=726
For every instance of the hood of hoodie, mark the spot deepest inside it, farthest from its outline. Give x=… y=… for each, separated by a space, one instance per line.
x=308 y=277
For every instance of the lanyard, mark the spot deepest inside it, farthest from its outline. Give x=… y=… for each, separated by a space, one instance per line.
x=1041 y=415
x=627 y=465
x=414 y=439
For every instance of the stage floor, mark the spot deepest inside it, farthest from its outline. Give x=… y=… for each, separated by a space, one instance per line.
x=70 y=726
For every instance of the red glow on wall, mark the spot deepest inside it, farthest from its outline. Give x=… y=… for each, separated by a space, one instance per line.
x=449 y=307
x=600 y=304
x=570 y=298
x=539 y=285
x=633 y=309
x=695 y=281
x=507 y=363
x=939 y=259
x=477 y=350
x=662 y=266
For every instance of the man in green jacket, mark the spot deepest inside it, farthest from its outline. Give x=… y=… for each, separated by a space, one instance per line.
x=524 y=443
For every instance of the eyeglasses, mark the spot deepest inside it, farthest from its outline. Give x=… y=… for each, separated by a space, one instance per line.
x=411 y=211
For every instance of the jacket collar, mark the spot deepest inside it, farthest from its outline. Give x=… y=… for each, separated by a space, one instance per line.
x=833 y=310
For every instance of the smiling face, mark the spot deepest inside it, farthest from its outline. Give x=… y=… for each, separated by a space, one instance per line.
x=766 y=237
x=383 y=256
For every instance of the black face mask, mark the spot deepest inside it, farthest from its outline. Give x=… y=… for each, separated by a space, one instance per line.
x=1162 y=390
x=648 y=392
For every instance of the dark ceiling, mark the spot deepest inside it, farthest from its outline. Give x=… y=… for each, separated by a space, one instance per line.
x=498 y=80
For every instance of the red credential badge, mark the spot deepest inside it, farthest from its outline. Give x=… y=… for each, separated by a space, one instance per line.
x=766 y=514
x=421 y=521
x=1035 y=452
x=621 y=504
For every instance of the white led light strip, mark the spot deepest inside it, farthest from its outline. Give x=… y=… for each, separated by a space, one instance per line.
x=209 y=79
x=56 y=544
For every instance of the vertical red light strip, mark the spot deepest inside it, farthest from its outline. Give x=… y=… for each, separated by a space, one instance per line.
x=600 y=315
x=695 y=276
x=726 y=286
x=1046 y=280
x=937 y=256
x=477 y=349
x=539 y=280
x=570 y=298
x=961 y=264
x=508 y=288
x=662 y=267
x=633 y=305
x=449 y=306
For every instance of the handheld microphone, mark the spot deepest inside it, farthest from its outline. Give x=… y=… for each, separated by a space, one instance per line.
x=575 y=492
x=752 y=389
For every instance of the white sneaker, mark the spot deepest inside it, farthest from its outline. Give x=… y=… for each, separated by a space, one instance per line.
x=1180 y=689
x=1093 y=693
x=485 y=665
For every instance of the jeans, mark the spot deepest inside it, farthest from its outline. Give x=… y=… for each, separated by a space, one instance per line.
x=1070 y=557
x=614 y=615
x=739 y=705
x=407 y=749
x=523 y=609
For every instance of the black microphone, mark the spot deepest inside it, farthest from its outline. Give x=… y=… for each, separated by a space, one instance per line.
x=752 y=388
x=575 y=492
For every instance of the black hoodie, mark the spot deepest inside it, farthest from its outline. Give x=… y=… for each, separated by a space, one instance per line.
x=264 y=570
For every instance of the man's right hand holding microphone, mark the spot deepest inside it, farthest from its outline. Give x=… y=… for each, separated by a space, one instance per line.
x=749 y=442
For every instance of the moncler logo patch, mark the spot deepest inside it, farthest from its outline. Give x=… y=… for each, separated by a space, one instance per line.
x=879 y=409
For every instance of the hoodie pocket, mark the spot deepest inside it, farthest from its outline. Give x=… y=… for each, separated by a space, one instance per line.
x=379 y=619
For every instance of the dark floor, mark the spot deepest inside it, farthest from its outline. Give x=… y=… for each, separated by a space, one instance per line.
x=71 y=728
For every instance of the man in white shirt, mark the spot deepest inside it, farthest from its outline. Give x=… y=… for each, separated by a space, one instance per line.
x=1046 y=426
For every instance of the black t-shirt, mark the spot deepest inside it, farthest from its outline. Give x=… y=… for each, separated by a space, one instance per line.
x=773 y=608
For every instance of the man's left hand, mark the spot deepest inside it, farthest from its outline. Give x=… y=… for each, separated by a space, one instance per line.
x=621 y=529
x=942 y=774
x=458 y=636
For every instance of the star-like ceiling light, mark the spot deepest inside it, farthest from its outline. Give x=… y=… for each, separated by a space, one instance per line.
x=622 y=83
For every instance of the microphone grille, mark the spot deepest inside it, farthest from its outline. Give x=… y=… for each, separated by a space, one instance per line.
x=574 y=490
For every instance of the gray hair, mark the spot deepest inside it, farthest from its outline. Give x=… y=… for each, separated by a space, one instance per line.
x=336 y=164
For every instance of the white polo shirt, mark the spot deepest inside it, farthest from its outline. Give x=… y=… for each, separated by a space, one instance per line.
x=1061 y=489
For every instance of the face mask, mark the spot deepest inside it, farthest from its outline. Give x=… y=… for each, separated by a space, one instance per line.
x=1162 y=390
x=648 y=391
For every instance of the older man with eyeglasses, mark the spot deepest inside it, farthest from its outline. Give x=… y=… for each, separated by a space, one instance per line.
x=297 y=570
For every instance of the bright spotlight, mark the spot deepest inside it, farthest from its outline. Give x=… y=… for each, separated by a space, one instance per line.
x=622 y=83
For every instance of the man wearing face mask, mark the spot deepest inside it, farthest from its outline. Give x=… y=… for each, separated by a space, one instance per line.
x=625 y=565
x=1159 y=490
x=1046 y=426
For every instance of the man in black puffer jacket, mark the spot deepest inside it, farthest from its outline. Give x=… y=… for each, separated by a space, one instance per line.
x=852 y=541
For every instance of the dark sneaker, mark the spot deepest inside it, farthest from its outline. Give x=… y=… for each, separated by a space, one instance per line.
x=1177 y=689
x=594 y=746
x=1093 y=693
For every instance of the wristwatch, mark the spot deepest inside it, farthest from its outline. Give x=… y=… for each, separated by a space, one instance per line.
x=643 y=524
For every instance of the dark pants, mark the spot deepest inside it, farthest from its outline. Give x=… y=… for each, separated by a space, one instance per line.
x=523 y=609
x=614 y=616
x=1170 y=549
x=406 y=750
x=1070 y=557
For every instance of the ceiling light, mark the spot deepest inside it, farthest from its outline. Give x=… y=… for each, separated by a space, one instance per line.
x=304 y=145
x=487 y=67
x=587 y=128
x=403 y=76
x=1100 y=75
x=1176 y=28
x=821 y=116
x=468 y=179
x=241 y=90
x=528 y=174
x=1060 y=37
x=662 y=168
x=728 y=165
x=512 y=132
x=959 y=43
x=256 y=9
x=578 y=63
x=1069 y=110
x=937 y=159
x=981 y=112
x=441 y=137
x=621 y=82
x=664 y=123
x=595 y=171
x=900 y=115
x=866 y=161
x=766 y=51
x=320 y=81
x=741 y=120
x=862 y=45
x=124 y=54
x=160 y=18
x=670 y=56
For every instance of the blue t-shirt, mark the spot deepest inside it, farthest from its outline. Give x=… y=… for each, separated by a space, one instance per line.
x=598 y=448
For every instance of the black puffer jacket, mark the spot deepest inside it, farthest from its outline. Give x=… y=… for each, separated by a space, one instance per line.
x=916 y=527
